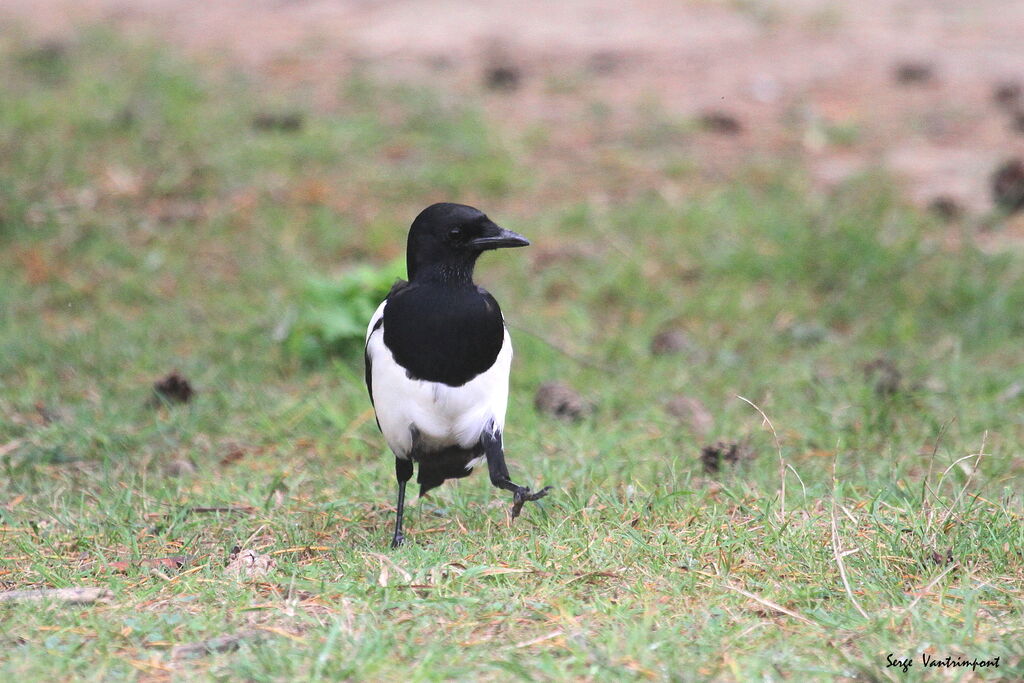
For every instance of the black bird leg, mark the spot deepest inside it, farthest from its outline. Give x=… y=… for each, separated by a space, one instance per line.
x=403 y=472
x=499 y=473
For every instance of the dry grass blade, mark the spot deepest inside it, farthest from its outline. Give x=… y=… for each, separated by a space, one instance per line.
x=539 y=639
x=10 y=447
x=837 y=554
x=925 y=488
x=970 y=477
x=386 y=564
x=771 y=605
x=778 y=447
x=931 y=584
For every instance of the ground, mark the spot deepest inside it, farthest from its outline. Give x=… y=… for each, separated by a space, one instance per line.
x=785 y=440
x=813 y=78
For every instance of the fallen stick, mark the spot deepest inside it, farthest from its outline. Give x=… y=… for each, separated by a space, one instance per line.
x=85 y=595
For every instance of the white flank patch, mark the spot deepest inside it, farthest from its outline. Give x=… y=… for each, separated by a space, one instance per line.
x=443 y=415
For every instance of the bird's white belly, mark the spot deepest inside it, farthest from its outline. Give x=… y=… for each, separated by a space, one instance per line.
x=442 y=415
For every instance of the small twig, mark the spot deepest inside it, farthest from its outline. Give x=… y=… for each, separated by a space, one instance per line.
x=836 y=552
x=85 y=595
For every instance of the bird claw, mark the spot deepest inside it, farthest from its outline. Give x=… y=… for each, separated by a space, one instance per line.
x=398 y=540
x=522 y=495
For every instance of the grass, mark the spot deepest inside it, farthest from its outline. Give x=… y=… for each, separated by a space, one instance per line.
x=145 y=226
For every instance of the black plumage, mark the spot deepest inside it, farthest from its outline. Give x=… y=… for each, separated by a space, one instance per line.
x=438 y=357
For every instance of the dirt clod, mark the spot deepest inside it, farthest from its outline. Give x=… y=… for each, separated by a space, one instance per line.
x=886 y=377
x=248 y=564
x=1017 y=123
x=289 y=122
x=1008 y=185
x=604 y=61
x=721 y=122
x=1007 y=94
x=912 y=72
x=946 y=208
x=670 y=341
x=504 y=77
x=173 y=388
x=690 y=411
x=561 y=401
x=730 y=452
x=182 y=467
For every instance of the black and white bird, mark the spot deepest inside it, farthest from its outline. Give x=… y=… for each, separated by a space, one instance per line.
x=438 y=357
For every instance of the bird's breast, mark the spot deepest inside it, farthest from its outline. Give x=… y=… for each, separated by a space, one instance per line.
x=444 y=336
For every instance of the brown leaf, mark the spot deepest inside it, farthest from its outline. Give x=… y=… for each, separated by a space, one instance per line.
x=232 y=456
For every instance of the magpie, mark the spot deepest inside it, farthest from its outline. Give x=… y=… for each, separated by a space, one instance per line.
x=438 y=356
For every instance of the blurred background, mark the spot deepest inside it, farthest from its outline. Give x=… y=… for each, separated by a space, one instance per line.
x=928 y=90
x=814 y=205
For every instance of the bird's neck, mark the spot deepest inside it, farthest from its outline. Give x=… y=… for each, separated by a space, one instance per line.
x=445 y=273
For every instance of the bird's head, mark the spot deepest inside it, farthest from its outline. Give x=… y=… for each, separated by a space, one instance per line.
x=446 y=239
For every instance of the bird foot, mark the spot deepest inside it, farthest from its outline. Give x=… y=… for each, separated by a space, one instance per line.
x=398 y=540
x=522 y=495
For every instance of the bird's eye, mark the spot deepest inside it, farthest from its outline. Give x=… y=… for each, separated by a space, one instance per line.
x=455 y=233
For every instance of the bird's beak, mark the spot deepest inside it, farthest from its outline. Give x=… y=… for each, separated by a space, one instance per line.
x=495 y=237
